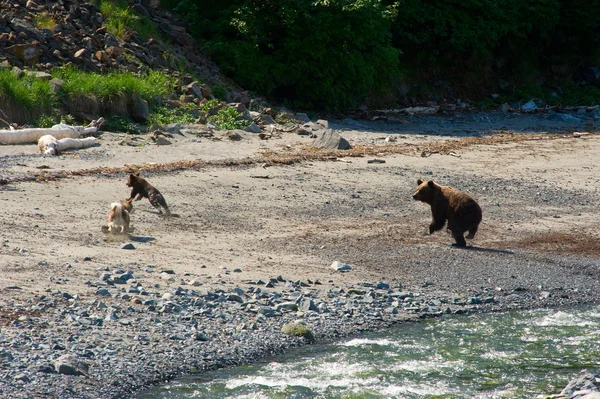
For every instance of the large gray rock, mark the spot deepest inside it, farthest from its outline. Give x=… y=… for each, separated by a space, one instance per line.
x=71 y=365
x=330 y=140
x=139 y=110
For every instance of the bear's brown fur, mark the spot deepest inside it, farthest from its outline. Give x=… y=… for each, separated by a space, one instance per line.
x=459 y=208
x=140 y=188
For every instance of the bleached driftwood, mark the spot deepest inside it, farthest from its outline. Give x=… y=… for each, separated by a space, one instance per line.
x=50 y=145
x=61 y=131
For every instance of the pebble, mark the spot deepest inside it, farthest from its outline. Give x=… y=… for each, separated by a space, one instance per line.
x=107 y=334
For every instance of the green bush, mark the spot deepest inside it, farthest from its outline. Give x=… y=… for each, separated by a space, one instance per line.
x=330 y=54
x=165 y=116
x=324 y=54
x=227 y=119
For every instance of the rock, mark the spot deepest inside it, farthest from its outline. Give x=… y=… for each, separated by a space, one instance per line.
x=303 y=132
x=162 y=140
x=323 y=123
x=139 y=109
x=56 y=85
x=39 y=75
x=564 y=118
x=71 y=365
x=28 y=53
x=194 y=88
x=233 y=136
x=529 y=106
x=206 y=92
x=583 y=382
x=302 y=117
x=127 y=245
x=298 y=329
x=332 y=141
x=79 y=53
x=114 y=51
x=266 y=119
x=307 y=304
x=340 y=267
x=253 y=128
x=504 y=108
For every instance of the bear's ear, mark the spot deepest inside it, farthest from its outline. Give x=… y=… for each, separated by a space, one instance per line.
x=137 y=174
x=419 y=182
x=430 y=183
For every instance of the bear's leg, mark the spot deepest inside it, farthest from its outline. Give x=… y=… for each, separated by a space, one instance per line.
x=472 y=232
x=459 y=238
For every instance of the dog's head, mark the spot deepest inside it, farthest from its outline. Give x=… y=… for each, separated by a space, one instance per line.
x=127 y=204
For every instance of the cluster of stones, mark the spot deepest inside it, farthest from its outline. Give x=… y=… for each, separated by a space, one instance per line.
x=129 y=330
x=79 y=36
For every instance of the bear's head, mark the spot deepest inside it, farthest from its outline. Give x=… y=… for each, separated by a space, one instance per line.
x=426 y=191
x=132 y=179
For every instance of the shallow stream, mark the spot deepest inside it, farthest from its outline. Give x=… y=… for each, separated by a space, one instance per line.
x=510 y=355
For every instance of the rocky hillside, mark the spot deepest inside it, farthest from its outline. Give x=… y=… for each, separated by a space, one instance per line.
x=41 y=35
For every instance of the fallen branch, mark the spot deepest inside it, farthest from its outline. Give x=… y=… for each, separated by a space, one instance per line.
x=61 y=131
x=49 y=145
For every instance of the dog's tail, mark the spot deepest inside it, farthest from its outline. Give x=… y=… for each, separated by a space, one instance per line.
x=116 y=207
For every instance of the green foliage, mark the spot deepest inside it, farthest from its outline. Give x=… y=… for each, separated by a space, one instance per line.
x=429 y=28
x=330 y=54
x=220 y=92
x=34 y=95
x=121 y=20
x=164 y=115
x=120 y=123
x=44 y=20
x=324 y=54
x=227 y=119
x=106 y=86
x=211 y=106
x=46 y=121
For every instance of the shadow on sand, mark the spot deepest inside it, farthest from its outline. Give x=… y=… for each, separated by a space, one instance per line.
x=490 y=250
x=141 y=238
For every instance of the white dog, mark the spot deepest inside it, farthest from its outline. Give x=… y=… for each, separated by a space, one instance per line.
x=118 y=218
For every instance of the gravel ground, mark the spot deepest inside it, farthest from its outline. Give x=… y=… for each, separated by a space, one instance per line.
x=81 y=317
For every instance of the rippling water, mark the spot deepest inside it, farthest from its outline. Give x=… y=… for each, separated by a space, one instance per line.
x=509 y=355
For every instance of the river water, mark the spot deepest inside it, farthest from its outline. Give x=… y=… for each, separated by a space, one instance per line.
x=508 y=355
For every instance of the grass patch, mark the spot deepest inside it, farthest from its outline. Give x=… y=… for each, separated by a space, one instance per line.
x=122 y=21
x=25 y=98
x=106 y=87
x=44 y=20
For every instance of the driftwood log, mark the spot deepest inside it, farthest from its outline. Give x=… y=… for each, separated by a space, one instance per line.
x=61 y=131
x=50 y=145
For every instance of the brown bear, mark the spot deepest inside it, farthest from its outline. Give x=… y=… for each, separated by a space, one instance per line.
x=140 y=188
x=447 y=203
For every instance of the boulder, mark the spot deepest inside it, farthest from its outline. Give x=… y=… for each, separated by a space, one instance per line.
x=331 y=140
x=70 y=365
x=298 y=329
x=138 y=109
